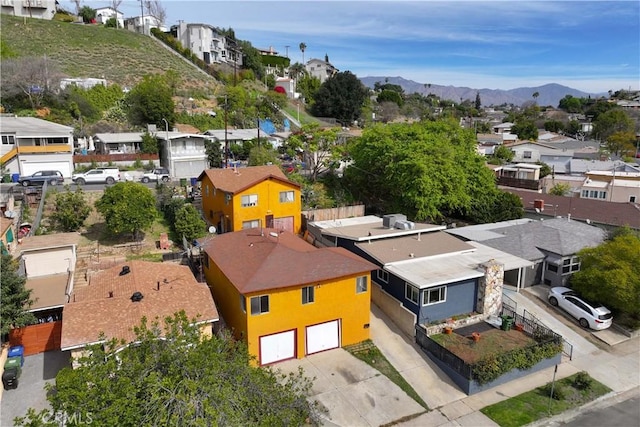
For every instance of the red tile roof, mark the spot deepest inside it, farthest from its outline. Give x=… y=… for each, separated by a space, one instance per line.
x=236 y=180
x=258 y=261
x=105 y=305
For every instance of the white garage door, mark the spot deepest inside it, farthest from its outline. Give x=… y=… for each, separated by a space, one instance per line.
x=324 y=336
x=29 y=168
x=188 y=168
x=277 y=347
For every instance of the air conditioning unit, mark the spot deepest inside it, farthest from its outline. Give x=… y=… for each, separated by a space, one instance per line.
x=388 y=221
x=404 y=225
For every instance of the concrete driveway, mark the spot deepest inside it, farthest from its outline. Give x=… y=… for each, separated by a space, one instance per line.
x=38 y=370
x=353 y=393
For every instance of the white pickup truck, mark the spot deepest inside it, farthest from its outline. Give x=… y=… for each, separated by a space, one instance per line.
x=158 y=174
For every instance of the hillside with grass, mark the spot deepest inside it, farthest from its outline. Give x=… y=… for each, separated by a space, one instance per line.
x=118 y=55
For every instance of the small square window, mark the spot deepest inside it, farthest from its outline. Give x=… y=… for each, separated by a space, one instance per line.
x=308 y=295
x=411 y=293
x=260 y=304
x=361 y=284
x=383 y=275
x=249 y=200
x=286 y=197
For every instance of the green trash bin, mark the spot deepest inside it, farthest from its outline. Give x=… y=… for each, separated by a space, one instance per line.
x=183 y=182
x=507 y=323
x=14 y=362
x=6 y=178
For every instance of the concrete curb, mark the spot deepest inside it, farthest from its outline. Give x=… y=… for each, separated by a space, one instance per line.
x=605 y=401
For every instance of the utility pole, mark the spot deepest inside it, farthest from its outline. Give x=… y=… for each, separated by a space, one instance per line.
x=226 y=141
x=141 y=18
x=287 y=48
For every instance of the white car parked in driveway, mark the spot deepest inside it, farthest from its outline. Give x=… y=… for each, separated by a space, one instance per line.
x=589 y=314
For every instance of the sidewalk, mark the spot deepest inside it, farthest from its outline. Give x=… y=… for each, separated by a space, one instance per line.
x=619 y=369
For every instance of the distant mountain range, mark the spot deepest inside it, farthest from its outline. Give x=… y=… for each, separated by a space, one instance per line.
x=549 y=94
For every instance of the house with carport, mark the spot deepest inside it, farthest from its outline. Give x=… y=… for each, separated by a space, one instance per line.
x=423 y=275
x=286 y=298
x=116 y=300
x=251 y=197
x=30 y=145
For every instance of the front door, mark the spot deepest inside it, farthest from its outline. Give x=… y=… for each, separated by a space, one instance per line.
x=268 y=220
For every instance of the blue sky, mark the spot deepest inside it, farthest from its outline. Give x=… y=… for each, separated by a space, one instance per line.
x=592 y=46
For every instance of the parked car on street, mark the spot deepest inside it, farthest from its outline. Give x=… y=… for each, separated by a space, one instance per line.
x=589 y=314
x=158 y=174
x=97 y=176
x=40 y=177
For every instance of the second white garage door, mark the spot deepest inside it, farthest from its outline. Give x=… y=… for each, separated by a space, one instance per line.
x=277 y=347
x=324 y=336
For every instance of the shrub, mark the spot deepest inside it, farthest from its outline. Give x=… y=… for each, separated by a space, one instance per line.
x=556 y=391
x=582 y=381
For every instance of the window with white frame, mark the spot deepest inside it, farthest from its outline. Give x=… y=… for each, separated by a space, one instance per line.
x=594 y=194
x=570 y=265
x=254 y=223
x=260 y=304
x=527 y=154
x=308 y=295
x=286 y=197
x=383 y=275
x=411 y=293
x=8 y=140
x=434 y=295
x=249 y=200
x=361 y=284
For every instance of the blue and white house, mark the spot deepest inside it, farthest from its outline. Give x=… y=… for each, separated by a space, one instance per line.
x=425 y=275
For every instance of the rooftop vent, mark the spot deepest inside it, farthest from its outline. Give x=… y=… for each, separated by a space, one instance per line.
x=125 y=270
x=137 y=297
x=388 y=221
x=404 y=225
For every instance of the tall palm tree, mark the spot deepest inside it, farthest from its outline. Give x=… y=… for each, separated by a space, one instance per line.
x=535 y=95
x=303 y=46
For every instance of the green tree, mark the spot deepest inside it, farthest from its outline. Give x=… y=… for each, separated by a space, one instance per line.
x=181 y=379
x=319 y=148
x=610 y=274
x=87 y=14
x=612 y=121
x=622 y=142
x=262 y=155
x=503 y=153
x=150 y=101
x=15 y=298
x=545 y=169
x=560 y=189
x=127 y=207
x=112 y=23
x=308 y=87
x=252 y=59
x=150 y=144
x=71 y=210
x=390 y=96
x=478 y=103
x=214 y=153
x=553 y=126
x=189 y=223
x=342 y=97
x=525 y=129
x=502 y=207
x=570 y=104
x=426 y=170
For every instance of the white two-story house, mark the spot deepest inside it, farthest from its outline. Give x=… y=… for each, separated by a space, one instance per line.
x=40 y=9
x=30 y=145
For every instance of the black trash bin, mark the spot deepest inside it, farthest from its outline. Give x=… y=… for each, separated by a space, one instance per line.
x=10 y=377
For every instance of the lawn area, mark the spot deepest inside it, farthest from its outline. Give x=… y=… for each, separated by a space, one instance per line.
x=492 y=341
x=534 y=405
x=370 y=354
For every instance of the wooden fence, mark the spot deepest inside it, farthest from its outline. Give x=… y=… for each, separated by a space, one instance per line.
x=37 y=338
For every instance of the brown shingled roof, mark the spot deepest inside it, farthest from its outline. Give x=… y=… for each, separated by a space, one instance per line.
x=105 y=305
x=255 y=260
x=598 y=211
x=236 y=180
